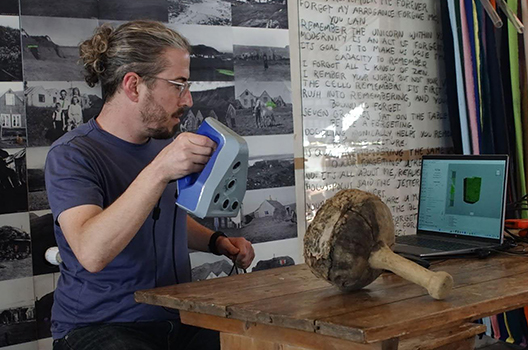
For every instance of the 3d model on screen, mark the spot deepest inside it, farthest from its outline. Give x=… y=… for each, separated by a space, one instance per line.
x=472 y=187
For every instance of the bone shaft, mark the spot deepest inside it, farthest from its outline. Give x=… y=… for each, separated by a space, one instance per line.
x=386 y=259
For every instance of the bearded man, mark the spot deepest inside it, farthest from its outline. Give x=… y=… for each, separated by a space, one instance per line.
x=111 y=190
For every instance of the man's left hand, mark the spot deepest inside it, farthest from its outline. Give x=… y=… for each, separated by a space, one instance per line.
x=238 y=249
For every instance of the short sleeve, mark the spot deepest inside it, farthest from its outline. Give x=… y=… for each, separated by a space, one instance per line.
x=71 y=180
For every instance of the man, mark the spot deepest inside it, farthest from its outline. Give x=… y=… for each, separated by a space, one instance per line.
x=65 y=104
x=110 y=187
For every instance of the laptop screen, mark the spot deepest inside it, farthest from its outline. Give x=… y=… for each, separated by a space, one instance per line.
x=463 y=195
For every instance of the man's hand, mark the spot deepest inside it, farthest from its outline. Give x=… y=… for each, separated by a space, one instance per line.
x=238 y=249
x=187 y=154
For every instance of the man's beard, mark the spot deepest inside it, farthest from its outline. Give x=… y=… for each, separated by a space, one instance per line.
x=155 y=114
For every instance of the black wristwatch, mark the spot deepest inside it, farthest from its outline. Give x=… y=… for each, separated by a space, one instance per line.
x=212 y=242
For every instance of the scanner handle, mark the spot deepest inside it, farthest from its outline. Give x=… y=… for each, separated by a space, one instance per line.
x=206 y=130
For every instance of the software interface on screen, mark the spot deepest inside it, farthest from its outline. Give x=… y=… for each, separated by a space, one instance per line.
x=463 y=197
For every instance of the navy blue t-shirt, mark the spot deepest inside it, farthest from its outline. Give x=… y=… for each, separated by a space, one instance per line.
x=91 y=166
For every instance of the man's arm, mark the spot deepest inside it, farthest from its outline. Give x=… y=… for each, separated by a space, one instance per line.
x=238 y=249
x=97 y=236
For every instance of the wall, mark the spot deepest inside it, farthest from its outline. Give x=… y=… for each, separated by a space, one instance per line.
x=238 y=46
x=371 y=93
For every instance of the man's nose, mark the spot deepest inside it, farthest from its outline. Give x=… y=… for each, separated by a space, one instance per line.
x=186 y=99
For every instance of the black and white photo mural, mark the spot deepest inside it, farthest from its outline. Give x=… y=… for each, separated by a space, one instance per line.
x=17 y=314
x=55 y=107
x=15 y=246
x=268 y=255
x=260 y=13
x=17 y=309
x=126 y=10
x=42 y=238
x=263 y=108
x=270 y=163
x=13 y=187
x=206 y=12
x=50 y=46
x=9 y=7
x=44 y=287
x=261 y=54
x=12 y=115
x=10 y=49
x=269 y=214
x=210 y=99
x=36 y=157
x=212 y=51
x=265 y=215
x=59 y=8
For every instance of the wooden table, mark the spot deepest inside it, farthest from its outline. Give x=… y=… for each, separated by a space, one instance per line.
x=289 y=308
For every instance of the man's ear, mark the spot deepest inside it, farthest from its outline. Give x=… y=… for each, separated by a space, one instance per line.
x=130 y=86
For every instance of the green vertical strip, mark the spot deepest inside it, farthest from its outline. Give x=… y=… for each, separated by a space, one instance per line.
x=479 y=63
x=516 y=97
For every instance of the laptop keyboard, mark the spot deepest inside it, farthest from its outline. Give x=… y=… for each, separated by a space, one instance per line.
x=432 y=243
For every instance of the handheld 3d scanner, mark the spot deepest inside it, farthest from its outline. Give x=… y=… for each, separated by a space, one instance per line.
x=218 y=190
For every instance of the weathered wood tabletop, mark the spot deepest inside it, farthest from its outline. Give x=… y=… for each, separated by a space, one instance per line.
x=390 y=308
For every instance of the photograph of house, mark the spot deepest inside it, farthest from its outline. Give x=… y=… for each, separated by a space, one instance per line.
x=42 y=98
x=263 y=108
x=265 y=215
x=12 y=115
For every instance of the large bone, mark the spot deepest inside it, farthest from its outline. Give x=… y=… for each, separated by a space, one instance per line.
x=348 y=243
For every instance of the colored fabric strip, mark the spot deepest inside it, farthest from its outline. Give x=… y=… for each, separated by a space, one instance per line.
x=510 y=338
x=470 y=82
x=516 y=98
x=487 y=140
x=487 y=322
x=495 y=326
x=502 y=325
x=515 y=319
x=513 y=181
x=461 y=94
x=496 y=95
x=523 y=77
x=451 y=80
x=470 y=5
x=478 y=60
x=524 y=10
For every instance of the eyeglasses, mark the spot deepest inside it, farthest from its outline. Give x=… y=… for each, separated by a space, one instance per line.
x=182 y=87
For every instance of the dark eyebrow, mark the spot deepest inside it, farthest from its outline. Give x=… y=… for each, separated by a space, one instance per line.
x=182 y=79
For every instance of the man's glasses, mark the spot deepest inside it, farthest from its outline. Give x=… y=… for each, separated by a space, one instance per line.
x=182 y=87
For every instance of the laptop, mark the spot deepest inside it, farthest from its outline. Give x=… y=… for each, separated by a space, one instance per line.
x=461 y=206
